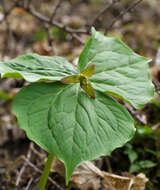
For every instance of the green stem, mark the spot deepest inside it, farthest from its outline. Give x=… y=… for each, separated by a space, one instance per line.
x=44 y=176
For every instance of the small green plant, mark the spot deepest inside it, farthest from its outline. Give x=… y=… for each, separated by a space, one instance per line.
x=135 y=165
x=68 y=111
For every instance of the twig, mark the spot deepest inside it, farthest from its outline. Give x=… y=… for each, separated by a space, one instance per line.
x=50 y=39
x=55 y=23
x=122 y=14
x=133 y=112
x=78 y=38
x=39 y=171
x=3 y=6
x=6 y=14
x=7 y=38
x=26 y=6
x=130 y=184
x=42 y=156
x=157 y=86
x=8 y=31
x=107 y=161
x=27 y=3
x=29 y=183
x=24 y=165
x=156 y=126
x=45 y=19
x=55 y=9
x=101 y=12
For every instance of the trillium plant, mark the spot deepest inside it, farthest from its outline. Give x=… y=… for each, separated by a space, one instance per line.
x=70 y=111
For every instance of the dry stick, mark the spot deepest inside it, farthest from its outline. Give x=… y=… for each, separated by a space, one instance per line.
x=134 y=113
x=7 y=38
x=43 y=18
x=50 y=39
x=49 y=35
x=53 y=23
x=29 y=183
x=78 y=38
x=55 y=9
x=101 y=12
x=8 y=31
x=24 y=165
x=130 y=184
x=157 y=86
x=3 y=6
x=107 y=161
x=27 y=3
x=155 y=127
x=39 y=171
x=122 y=14
x=6 y=14
x=36 y=152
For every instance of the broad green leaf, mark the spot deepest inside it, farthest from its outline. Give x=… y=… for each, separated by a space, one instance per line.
x=118 y=70
x=70 y=79
x=89 y=71
x=33 y=67
x=64 y=121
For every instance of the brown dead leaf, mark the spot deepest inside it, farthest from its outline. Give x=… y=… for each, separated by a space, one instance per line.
x=42 y=48
x=88 y=177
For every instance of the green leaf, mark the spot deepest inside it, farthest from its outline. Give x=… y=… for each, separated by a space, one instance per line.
x=70 y=79
x=41 y=34
x=132 y=155
x=64 y=121
x=33 y=67
x=118 y=70
x=4 y=95
x=89 y=71
x=143 y=130
x=137 y=166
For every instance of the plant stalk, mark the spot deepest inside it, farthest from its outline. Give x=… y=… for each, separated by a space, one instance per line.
x=44 y=176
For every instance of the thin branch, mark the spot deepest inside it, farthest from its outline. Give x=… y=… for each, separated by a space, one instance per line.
x=50 y=39
x=54 y=23
x=6 y=14
x=29 y=183
x=27 y=3
x=37 y=153
x=156 y=126
x=108 y=163
x=101 y=12
x=157 y=86
x=39 y=171
x=122 y=14
x=135 y=115
x=24 y=166
x=78 y=38
x=45 y=19
x=55 y=9
x=3 y=6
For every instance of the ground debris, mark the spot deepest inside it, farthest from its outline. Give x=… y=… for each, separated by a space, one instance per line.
x=88 y=177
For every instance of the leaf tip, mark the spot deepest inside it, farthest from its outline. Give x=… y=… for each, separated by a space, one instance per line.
x=93 y=30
